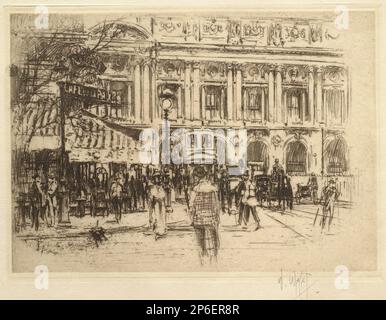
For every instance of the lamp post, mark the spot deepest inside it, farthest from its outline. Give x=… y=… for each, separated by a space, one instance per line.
x=166 y=101
x=64 y=218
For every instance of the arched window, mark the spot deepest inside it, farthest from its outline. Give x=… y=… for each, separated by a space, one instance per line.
x=257 y=154
x=336 y=156
x=296 y=158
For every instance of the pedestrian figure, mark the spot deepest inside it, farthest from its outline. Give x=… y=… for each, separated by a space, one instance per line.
x=205 y=214
x=157 y=207
x=277 y=169
x=248 y=202
x=116 y=192
x=51 y=214
x=36 y=197
x=330 y=195
x=224 y=191
x=313 y=185
x=128 y=195
x=186 y=185
x=167 y=184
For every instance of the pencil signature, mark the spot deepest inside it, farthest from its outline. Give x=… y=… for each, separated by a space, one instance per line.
x=299 y=282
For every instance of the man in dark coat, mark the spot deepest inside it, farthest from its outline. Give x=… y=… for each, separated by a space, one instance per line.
x=37 y=197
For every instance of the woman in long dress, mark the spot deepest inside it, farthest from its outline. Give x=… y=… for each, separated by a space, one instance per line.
x=205 y=215
x=157 y=207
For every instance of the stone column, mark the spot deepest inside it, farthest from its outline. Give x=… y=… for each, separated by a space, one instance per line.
x=311 y=107
x=271 y=95
x=284 y=105
x=187 y=91
x=278 y=94
x=238 y=96
x=230 y=92
x=196 y=91
x=129 y=109
x=303 y=107
x=154 y=104
x=319 y=117
x=146 y=93
x=262 y=105
x=179 y=102
x=137 y=93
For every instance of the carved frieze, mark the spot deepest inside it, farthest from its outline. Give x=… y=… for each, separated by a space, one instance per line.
x=298 y=133
x=267 y=32
x=253 y=72
x=213 y=71
x=333 y=75
x=287 y=35
x=255 y=33
x=235 y=32
x=214 y=29
x=171 y=69
x=258 y=135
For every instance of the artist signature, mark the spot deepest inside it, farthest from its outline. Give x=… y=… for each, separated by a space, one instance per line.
x=299 y=282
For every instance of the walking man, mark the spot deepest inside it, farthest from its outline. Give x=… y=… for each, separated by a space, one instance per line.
x=330 y=196
x=36 y=196
x=116 y=198
x=52 y=190
x=248 y=202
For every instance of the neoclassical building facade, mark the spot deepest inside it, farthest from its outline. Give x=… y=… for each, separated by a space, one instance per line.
x=282 y=80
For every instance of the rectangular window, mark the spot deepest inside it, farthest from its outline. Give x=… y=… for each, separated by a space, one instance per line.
x=296 y=103
x=212 y=102
x=334 y=104
x=255 y=102
x=121 y=99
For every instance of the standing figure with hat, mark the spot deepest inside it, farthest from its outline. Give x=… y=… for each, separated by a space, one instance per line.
x=205 y=215
x=116 y=196
x=157 y=206
x=52 y=191
x=248 y=201
x=167 y=185
x=224 y=190
x=277 y=170
x=330 y=196
x=37 y=197
x=313 y=185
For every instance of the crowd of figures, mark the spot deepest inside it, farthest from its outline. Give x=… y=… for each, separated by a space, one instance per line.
x=44 y=203
x=205 y=193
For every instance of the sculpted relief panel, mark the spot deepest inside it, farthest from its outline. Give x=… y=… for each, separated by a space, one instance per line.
x=280 y=34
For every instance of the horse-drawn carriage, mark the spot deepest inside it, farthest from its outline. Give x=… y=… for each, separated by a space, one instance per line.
x=274 y=189
x=306 y=191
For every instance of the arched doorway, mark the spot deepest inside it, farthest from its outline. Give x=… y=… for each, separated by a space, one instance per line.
x=296 y=158
x=336 y=156
x=257 y=156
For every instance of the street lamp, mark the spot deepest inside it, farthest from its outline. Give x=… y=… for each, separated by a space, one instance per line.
x=166 y=98
x=166 y=102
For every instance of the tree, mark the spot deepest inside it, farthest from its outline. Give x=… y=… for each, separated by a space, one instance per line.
x=39 y=60
x=43 y=59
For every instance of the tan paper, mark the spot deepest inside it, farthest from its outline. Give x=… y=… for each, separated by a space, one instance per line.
x=273 y=186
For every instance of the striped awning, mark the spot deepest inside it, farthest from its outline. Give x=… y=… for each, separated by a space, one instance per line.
x=95 y=141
